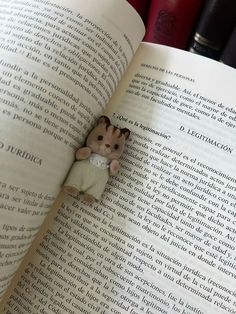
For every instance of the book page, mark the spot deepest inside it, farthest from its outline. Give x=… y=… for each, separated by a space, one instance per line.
x=162 y=238
x=60 y=63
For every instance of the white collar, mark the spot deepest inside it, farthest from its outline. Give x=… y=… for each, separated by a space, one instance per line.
x=99 y=161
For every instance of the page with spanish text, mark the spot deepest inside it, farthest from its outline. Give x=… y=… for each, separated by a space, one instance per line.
x=60 y=62
x=162 y=238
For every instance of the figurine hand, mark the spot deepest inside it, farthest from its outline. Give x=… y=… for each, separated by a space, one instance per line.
x=83 y=153
x=114 y=167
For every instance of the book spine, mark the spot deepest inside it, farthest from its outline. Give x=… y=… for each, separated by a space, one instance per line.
x=214 y=27
x=229 y=53
x=170 y=22
x=142 y=7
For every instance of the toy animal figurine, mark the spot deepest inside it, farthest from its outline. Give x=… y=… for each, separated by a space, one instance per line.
x=96 y=161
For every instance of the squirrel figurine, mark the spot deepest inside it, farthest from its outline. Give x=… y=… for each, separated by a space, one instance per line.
x=96 y=161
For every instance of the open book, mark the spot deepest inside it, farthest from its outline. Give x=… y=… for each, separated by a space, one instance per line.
x=162 y=238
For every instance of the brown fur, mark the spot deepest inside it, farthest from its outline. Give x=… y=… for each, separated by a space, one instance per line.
x=106 y=139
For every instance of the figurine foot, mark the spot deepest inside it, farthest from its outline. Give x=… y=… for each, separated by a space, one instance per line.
x=88 y=198
x=70 y=190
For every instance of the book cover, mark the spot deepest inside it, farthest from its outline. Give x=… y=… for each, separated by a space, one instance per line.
x=229 y=53
x=171 y=22
x=214 y=27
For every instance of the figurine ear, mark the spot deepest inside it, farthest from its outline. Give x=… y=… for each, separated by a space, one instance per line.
x=104 y=119
x=126 y=133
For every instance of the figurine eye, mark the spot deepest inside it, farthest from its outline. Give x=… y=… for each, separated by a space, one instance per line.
x=100 y=137
x=116 y=146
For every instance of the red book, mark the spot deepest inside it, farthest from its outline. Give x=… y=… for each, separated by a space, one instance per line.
x=171 y=22
x=142 y=7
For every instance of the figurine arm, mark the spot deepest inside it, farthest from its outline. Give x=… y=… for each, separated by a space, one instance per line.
x=83 y=153
x=114 y=167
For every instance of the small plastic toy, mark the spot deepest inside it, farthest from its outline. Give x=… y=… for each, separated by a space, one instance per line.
x=96 y=161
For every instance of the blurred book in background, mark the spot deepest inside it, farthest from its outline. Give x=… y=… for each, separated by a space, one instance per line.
x=215 y=24
x=171 y=22
x=142 y=7
x=229 y=53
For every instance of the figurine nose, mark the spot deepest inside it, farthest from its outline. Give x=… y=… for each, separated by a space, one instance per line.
x=107 y=145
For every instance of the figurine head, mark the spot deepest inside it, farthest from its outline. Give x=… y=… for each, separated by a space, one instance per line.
x=106 y=139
